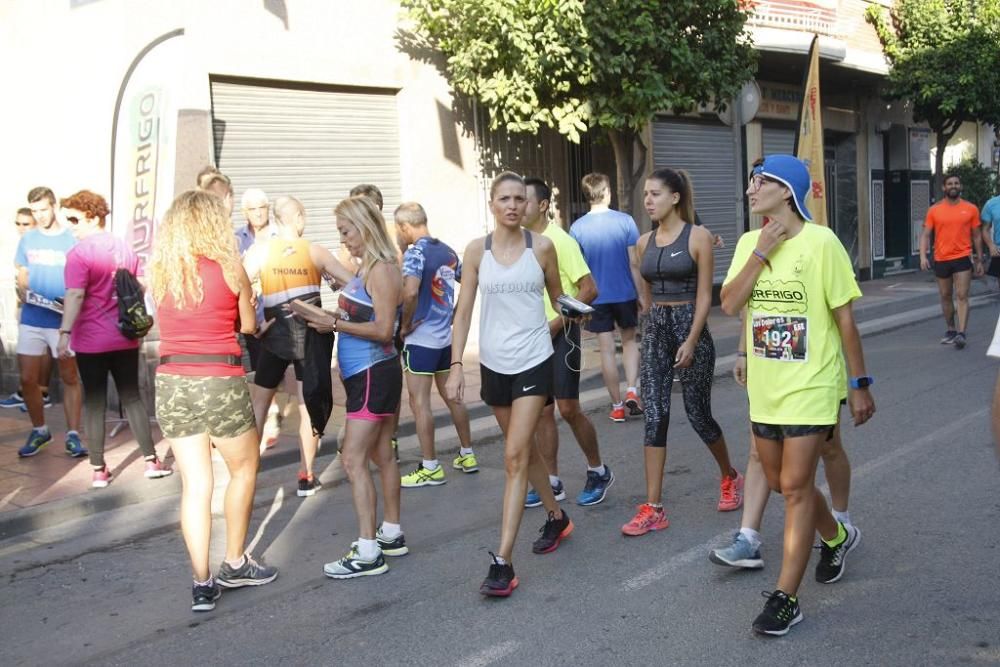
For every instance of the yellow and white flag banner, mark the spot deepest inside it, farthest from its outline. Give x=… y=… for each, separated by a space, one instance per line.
x=809 y=142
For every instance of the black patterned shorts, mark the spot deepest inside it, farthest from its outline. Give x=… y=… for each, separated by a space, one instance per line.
x=189 y=405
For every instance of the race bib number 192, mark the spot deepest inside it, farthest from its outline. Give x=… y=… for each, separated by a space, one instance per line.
x=780 y=337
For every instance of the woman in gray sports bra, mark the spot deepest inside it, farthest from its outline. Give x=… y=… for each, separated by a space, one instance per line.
x=676 y=266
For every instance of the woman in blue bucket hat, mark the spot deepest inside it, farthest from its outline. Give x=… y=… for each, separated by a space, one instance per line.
x=797 y=284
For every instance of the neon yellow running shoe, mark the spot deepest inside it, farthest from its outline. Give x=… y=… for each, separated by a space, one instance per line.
x=423 y=477
x=466 y=463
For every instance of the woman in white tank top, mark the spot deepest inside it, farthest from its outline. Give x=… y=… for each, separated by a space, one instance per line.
x=511 y=268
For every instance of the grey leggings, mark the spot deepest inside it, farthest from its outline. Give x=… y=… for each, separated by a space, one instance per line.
x=667 y=327
x=124 y=368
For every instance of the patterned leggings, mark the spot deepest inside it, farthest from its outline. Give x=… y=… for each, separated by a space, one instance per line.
x=667 y=327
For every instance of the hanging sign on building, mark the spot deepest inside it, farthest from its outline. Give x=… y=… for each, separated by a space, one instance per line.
x=920 y=149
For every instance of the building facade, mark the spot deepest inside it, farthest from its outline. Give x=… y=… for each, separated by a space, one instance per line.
x=131 y=98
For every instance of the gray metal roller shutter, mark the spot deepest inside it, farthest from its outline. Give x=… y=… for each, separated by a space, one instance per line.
x=778 y=140
x=707 y=152
x=312 y=144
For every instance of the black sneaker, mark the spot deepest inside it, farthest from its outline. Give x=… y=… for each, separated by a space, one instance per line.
x=203 y=597
x=779 y=615
x=251 y=573
x=553 y=532
x=959 y=340
x=833 y=560
x=394 y=547
x=501 y=581
x=949 y=337
x=308 y=486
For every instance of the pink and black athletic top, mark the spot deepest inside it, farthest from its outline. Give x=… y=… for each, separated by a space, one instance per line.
x=207 y=328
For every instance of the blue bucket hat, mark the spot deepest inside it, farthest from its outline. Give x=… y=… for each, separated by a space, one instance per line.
x=791 y=172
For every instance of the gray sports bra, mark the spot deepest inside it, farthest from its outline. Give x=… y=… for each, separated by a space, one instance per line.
x=670 y=270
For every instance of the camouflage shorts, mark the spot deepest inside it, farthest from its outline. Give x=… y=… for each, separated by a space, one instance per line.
x=192 y=405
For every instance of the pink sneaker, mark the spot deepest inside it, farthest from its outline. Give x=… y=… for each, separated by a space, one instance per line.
x=156 y=469
x=102 y=478
x=646 y=519
x=731 y=493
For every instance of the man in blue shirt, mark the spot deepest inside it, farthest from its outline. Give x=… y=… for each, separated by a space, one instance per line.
x=40 y=260
x=990 y=217
x=607 y=238
x=430 y=271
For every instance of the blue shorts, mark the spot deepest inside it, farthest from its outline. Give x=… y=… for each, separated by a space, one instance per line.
x=426 y=360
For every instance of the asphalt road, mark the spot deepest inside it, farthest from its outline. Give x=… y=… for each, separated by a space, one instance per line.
x=921 y=589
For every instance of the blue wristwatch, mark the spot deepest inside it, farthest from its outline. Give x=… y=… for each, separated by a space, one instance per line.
x=862 y=382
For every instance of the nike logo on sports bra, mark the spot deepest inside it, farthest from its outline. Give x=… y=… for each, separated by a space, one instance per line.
x=674 y=254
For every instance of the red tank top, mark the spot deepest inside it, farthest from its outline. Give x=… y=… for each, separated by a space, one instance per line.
x=205 y=328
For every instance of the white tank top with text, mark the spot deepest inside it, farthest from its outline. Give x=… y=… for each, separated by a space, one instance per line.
x=513 y=332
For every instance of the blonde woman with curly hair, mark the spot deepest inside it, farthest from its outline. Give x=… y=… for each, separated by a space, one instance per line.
x=367 y=320
x=203 y=296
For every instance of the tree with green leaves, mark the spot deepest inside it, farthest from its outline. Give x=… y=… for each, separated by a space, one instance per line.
x=574 y=65
x=979 y=183
x=945 y=59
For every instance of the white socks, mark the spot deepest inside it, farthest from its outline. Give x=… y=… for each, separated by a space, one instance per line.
x=391 y=530
x=367 y=549
x=752 y=536
x=431 y=464
x=600 y=470
x=465 y=451
x=553 y=481
x=41 y=430
x=843 y=517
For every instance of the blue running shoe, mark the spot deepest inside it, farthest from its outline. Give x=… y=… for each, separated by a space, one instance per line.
x=74 y=447
x=738 y=554
x=535 y=500
x=596 y=488
x=15 y=400
x=46 y=402
x=34 y=443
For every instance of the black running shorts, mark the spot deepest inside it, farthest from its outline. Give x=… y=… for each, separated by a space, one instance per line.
x=500 y=389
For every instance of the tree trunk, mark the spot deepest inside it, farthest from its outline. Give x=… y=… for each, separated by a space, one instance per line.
x=943 y=134
x=630 y=163
x=942 y=143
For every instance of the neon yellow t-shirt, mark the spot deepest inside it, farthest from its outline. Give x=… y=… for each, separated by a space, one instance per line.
x=572 y=265
x=795 y=370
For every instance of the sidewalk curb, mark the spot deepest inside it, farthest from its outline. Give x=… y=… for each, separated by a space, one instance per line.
x=484 y=427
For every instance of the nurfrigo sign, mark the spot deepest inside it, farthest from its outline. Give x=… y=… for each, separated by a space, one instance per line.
x=146 y=124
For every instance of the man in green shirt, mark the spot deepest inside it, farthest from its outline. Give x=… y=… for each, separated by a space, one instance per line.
x=578 y=283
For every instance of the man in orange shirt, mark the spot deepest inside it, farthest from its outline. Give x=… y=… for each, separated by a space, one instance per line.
x=955 y=224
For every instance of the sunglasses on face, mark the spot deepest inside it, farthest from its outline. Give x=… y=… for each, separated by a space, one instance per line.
x=757 y=181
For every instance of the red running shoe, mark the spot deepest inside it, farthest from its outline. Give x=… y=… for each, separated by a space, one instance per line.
x=731 y=493
x=646 y=519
